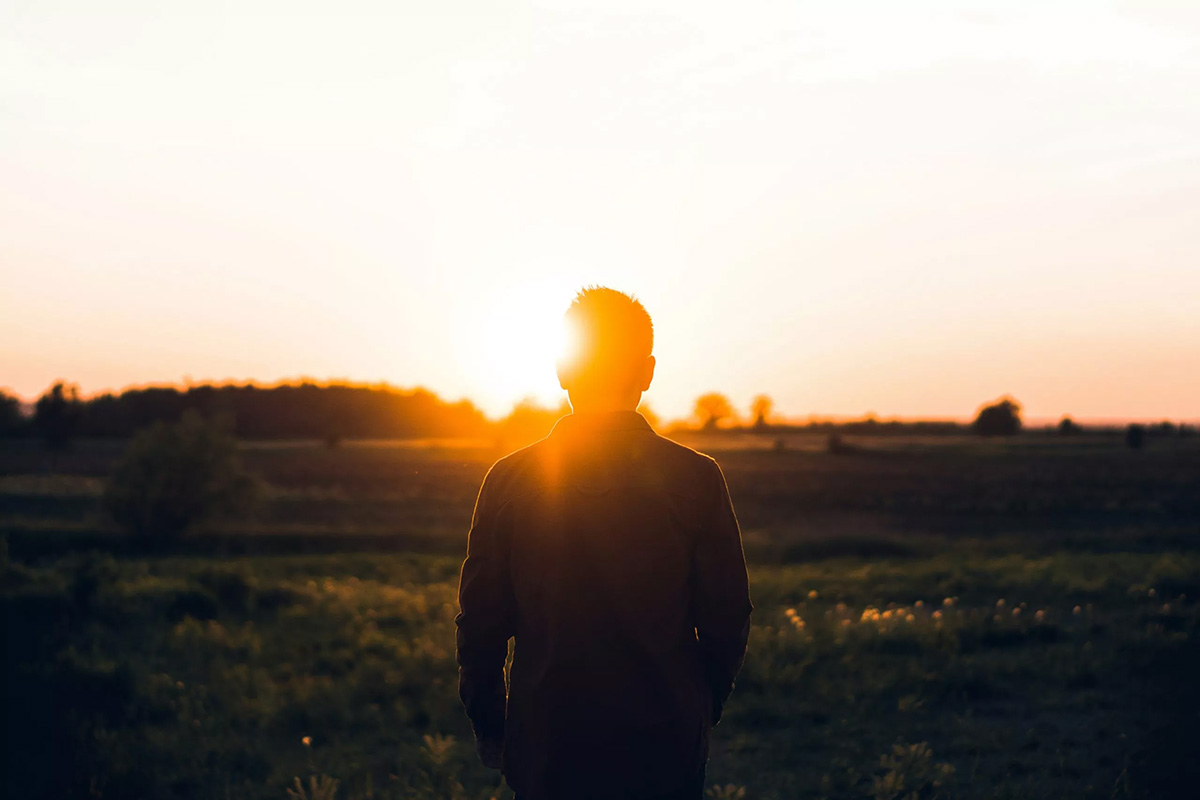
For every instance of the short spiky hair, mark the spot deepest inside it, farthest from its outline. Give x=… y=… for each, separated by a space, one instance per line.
x=613 y=332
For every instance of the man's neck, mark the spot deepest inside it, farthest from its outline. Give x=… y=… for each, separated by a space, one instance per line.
x=602 y=405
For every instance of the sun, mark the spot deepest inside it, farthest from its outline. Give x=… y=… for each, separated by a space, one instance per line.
x=521 y=338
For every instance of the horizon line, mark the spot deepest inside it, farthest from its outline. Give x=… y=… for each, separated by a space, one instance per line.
x=810 y=418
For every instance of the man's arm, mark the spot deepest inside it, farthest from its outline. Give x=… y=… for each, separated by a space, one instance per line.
x=485 y=623
x=722 y=592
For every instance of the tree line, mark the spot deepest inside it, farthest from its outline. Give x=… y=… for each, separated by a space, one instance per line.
x=335 y=411
x=713 y=411
x=288 y=411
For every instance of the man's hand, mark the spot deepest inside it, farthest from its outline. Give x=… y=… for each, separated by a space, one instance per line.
x=491 y=752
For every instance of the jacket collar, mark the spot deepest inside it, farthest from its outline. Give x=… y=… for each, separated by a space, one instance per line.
x=602 y=422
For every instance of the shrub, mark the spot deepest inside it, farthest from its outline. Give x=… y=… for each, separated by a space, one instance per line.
x=1135 y=436
x=174 y=477
x=1068 y=427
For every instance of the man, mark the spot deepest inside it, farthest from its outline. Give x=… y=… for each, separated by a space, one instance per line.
x=613 y=558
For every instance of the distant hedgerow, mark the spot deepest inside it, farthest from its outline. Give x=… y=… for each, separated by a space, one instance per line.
x=174 y=477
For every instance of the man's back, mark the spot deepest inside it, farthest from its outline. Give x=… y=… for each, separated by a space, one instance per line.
x=613 y=557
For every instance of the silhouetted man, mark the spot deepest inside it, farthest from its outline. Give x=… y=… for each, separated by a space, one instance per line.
x=613 y=558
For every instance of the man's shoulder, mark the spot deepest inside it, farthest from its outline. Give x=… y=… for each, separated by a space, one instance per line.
x=689 y=465
x=657 y=445
x=688 y=470
x=682 y=455
x=508 y=470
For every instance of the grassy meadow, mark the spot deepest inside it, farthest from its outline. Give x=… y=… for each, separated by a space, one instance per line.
x=934 y=618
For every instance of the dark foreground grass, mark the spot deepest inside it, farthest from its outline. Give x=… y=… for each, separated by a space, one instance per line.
x=958 y=674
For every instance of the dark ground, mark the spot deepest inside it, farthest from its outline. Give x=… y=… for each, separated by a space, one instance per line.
x=197 y=670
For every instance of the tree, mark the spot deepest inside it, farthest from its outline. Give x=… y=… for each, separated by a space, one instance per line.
x=761 y=408
x=173 y=477
x=1068 y=427
x=11 y=419
x=1001 y=418
x=57 y=414
x=711 y=408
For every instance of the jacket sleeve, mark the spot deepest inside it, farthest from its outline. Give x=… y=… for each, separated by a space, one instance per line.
x=721 y=592
x=486 y=618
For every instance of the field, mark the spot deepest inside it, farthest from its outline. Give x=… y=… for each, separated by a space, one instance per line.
x=933 y=618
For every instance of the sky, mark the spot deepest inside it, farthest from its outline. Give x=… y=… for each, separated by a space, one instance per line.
x=906 y=209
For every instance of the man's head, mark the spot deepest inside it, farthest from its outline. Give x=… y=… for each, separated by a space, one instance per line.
x=608 y=363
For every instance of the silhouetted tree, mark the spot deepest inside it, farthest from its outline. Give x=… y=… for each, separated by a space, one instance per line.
x=57 y=414
x=176 y=476
x=711 y=408
x=1068 y=427
x=761 y=408
x=12 y=422
x=1135 y=436
x=1001 y=418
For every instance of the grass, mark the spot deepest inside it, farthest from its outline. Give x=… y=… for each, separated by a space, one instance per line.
x=190 y=677
x=1038 y=637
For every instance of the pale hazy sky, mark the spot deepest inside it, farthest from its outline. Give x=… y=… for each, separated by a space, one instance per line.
x=905 y=208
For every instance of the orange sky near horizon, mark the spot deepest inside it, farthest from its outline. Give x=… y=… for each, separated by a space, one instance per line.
x=853 y=207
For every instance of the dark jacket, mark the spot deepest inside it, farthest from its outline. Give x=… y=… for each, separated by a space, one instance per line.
x=613 y=558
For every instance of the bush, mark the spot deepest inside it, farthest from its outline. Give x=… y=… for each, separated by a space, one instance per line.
x=1069 y=427
x=174 y=477
x=1135 y=436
